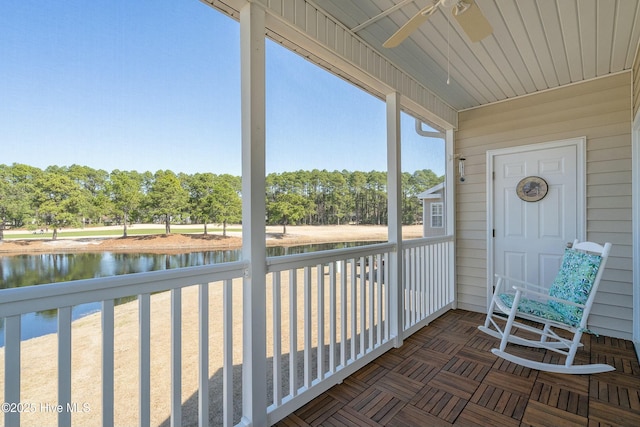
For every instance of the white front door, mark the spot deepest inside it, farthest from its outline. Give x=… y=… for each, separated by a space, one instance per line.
x=530 y=236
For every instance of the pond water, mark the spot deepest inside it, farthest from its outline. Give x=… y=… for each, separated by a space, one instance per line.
x=33 y=270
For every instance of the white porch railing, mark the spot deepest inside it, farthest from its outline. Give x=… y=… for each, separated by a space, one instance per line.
x=25 y=407
x=428 y=280
x=328 y=315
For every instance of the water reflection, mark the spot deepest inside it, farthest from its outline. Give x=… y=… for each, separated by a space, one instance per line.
x=31 y=270
x=27 y=270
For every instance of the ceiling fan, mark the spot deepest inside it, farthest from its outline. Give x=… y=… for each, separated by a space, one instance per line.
x=466 y=12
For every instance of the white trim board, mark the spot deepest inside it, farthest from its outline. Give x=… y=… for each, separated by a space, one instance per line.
x=635 y=203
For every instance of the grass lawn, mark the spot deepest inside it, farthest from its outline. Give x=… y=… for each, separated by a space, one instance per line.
x=114 y=232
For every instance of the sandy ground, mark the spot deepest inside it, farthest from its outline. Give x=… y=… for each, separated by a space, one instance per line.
x=39 y=355
x=177 y=242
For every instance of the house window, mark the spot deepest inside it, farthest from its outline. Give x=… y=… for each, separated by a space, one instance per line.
x=437 y=217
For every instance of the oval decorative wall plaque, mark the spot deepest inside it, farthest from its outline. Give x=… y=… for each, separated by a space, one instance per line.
x=532 y=189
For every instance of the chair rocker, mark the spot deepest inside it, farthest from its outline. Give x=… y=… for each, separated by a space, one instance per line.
x=565 y=306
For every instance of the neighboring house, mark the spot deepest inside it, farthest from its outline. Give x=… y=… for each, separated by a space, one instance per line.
x=433 y=211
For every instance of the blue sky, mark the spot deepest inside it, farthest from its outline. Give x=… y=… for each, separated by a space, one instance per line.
x=148 y=85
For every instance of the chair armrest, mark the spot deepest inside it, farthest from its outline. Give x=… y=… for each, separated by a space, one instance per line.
x=528 y=285
x=546 y=296
x=532 y=289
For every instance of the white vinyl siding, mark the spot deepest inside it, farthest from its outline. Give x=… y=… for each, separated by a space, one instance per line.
x=599 y=110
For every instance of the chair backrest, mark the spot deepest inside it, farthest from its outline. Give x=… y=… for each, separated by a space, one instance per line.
x=578 y=279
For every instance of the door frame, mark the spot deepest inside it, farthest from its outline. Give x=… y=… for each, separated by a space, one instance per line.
x=581 y=210
x=635 y=198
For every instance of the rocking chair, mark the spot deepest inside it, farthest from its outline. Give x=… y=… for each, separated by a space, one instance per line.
x=563 y=306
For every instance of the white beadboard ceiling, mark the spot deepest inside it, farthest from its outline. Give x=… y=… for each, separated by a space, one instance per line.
x=536 y=44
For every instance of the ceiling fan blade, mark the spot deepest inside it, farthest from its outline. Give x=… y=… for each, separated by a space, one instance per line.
x=473 y=21
x=411 y=25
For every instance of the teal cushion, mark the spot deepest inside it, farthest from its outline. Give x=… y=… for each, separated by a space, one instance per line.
x=573 y=283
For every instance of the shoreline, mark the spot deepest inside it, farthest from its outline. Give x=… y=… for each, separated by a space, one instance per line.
x=181 y=243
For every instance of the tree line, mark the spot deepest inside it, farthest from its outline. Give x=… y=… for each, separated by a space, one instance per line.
x=71 y=196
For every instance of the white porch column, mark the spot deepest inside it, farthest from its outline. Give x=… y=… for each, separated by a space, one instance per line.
x=254 y=365
x=450 y=209
x=394 y=191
